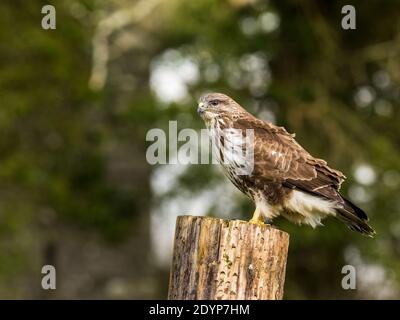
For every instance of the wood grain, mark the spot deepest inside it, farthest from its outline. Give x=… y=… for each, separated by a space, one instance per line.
x=227 y=260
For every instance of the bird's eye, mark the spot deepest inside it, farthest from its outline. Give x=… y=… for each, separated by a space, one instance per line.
x=214 y=103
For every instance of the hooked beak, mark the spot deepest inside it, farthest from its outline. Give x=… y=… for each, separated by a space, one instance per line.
x=200 y=108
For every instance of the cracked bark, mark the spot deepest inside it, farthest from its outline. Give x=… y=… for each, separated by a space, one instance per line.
x=227 y=260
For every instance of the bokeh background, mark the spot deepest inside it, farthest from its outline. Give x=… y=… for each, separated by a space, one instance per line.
x=77 y=102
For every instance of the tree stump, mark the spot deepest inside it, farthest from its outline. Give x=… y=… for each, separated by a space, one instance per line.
x=227 y=260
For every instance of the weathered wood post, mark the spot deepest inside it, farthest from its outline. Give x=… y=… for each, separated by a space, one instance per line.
x=227 y=260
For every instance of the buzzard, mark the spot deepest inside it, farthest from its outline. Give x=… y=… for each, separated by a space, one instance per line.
x=285 y=179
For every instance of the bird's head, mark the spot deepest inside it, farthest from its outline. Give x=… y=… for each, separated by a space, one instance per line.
x=212 y=105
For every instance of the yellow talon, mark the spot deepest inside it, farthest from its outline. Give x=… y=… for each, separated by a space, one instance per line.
x=257 y=222
x=257 y=218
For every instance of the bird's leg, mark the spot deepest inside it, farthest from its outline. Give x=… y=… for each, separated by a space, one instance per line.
x=258 y=217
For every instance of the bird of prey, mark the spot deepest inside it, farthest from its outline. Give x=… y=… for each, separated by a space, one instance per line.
x=285 y=179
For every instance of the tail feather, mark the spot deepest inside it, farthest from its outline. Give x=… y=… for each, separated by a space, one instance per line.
x=355 y=218
x=359 y=212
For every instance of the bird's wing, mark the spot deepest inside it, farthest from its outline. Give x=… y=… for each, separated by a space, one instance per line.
x=277 y=156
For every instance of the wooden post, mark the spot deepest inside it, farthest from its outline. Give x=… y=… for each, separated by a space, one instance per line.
x=227 y=260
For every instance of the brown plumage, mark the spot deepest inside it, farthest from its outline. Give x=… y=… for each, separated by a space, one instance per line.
x=285 y=179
